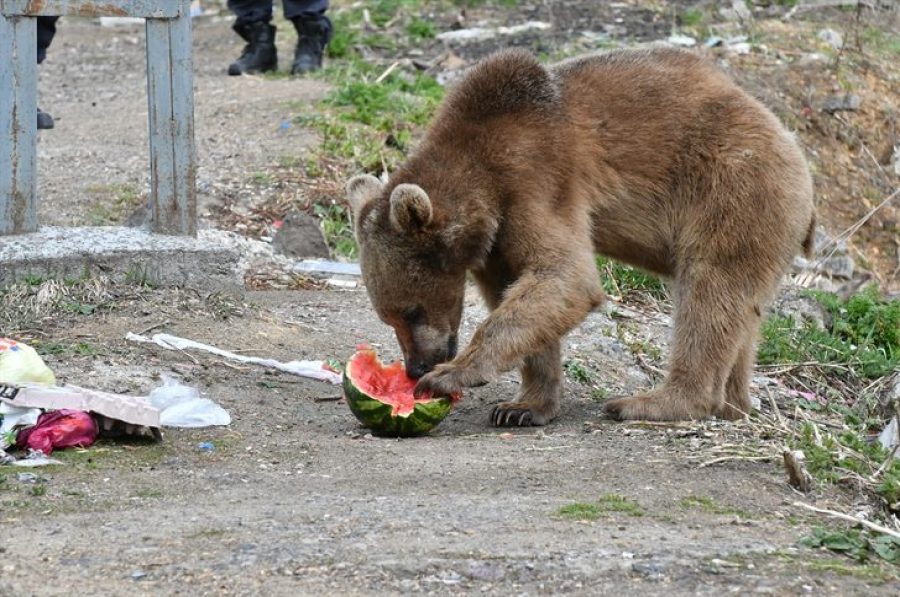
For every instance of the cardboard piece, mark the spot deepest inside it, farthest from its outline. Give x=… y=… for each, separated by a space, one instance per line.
x=135 y=410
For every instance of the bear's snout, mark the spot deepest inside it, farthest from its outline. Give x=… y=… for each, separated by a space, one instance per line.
x=417 y=366
x=416 y=369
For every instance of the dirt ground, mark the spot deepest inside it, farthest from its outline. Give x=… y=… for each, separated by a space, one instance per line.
x=296 y=498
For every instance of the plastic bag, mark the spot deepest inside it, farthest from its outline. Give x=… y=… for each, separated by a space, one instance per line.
x=20 y=363
x=59 y=429
x=12 y=417
x=182 y=406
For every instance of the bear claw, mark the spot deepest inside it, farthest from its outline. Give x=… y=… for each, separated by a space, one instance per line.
x=511 y=416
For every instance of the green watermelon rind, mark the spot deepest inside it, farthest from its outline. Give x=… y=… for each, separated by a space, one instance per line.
x=377 y=415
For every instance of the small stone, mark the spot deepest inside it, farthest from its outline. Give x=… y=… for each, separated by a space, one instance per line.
x=651 y=569
x=28 y=478
x=838 y=266
x=685 y=41
x=736 y=11
x=138 y=575
x=812 y=58
x=801 y=308
x=740 y=48
x=848 y=102
x=832 y=38
x=300 y=236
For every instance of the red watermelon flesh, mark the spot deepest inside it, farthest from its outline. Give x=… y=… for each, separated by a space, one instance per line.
x=389 y=384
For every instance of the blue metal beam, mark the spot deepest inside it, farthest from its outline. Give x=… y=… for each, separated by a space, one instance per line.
x=149 y=9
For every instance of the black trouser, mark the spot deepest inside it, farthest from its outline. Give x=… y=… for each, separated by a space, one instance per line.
x=253 y=11
x=46 y=29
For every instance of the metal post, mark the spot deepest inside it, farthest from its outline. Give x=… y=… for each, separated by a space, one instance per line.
x=18 y=117
x=170 y=97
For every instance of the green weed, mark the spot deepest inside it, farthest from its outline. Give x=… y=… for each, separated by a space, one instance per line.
x=692 y=17
x=602 y=507
x=623 y=280
x=880 y=41
x=864 y=335
x=599 y=394
x=337 y=229
x=616 y=503
x=829 y=456
x=579 y=511
x=421 y=29
x=261 y=179
x=854 y=543
x=576 y=371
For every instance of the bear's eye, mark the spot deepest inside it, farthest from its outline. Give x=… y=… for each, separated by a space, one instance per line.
x=413 y=315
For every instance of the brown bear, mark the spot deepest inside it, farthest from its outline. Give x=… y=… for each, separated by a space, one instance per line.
x=653 y=157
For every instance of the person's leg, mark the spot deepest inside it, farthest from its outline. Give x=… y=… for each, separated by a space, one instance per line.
x=313 y=32
x=253 y=24
x=46 y=29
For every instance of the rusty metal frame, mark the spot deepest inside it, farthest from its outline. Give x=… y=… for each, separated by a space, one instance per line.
x=170 y=97
x=148 y=9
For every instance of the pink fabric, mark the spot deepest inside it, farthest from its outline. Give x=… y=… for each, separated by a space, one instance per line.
x=59 y=429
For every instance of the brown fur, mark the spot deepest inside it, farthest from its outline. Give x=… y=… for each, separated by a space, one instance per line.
x=651 y=157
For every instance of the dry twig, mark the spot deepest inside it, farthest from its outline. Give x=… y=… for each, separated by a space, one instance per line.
x=847 y=517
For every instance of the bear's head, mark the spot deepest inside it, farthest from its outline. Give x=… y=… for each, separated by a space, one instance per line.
x=412 y=266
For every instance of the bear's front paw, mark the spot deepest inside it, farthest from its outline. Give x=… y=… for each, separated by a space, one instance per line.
x=443 y=381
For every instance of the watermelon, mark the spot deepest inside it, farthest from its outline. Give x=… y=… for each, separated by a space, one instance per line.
x=382 y=397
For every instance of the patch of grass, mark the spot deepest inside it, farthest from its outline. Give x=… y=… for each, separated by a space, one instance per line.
x=421 y=29
x=262 y=179
x=137 y=275
x=692 y=17
x=879 y=40
x=612 y=502
x=337 y=229
x=829 y=456
x=864 y=335
x=39 y=489
x=579 y=511
x=855 y=544
x=33 y=280
x=44 y=348
x=707 y=504
x=576 y=371
x=623 y=280
x=607 y=503
x=85 y=350
x=599 y=394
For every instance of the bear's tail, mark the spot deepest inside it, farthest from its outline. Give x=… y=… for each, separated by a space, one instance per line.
x=809 y=243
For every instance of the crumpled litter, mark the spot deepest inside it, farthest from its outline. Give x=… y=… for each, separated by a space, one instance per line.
x=319 y=370
x=20 y=362
x=33 y=459
x=182 y=406
x=13 y=417
x=59 y=429
x=890 y=435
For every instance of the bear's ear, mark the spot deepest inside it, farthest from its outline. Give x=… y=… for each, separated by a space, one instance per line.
x=360 y=190
x=410 y=208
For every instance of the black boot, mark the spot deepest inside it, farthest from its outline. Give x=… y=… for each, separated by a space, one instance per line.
x=312 y=37
x=259 y=55
x=44 y=120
